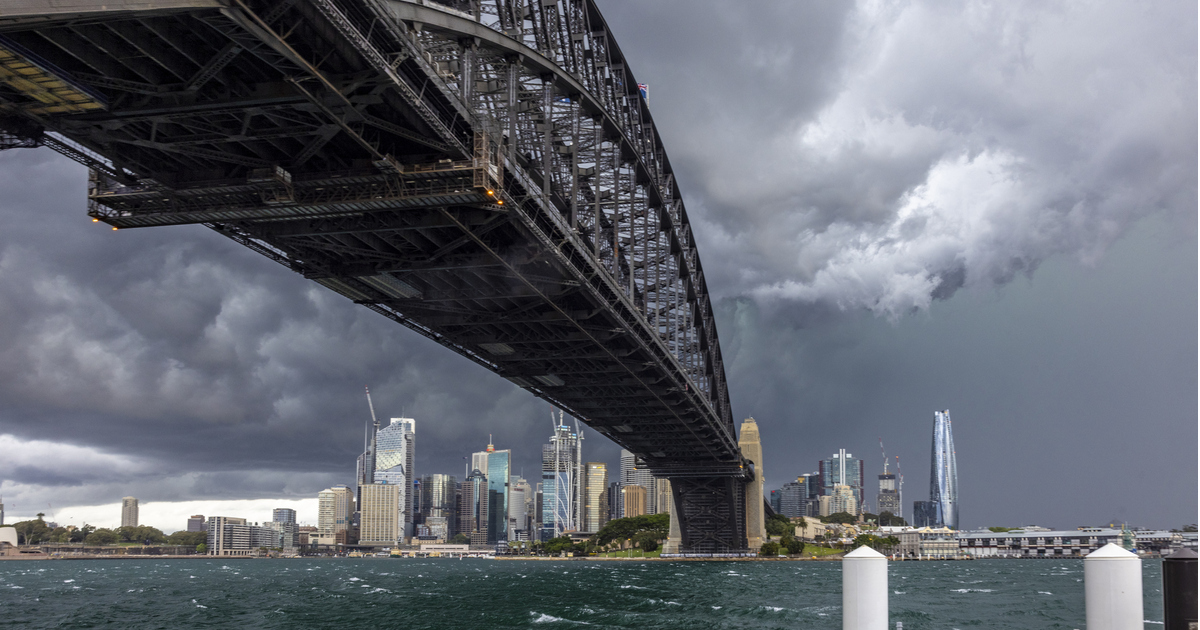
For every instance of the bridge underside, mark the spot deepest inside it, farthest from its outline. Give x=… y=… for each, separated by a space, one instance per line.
x=434 y=179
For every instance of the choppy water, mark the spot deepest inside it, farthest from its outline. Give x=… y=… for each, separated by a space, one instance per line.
x=436 y=593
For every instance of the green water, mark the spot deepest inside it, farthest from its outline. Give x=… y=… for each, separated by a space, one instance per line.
x=436 y=593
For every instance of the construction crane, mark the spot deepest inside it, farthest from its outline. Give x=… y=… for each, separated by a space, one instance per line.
x=885 y=459
x=900 y=486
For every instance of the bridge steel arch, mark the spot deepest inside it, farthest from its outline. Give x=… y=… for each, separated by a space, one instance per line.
x=483 y=172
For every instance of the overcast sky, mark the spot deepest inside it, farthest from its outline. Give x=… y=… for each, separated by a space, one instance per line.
x=901 y=207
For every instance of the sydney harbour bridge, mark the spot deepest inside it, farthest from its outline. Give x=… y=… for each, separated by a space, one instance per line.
x=484 y=172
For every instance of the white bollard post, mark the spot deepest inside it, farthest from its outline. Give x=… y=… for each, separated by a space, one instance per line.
x=1112 y=589
x=865 y=590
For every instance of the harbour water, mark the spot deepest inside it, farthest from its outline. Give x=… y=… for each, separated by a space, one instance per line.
x=444 y=593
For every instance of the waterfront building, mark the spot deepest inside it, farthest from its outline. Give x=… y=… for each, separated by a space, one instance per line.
x=844 y=469
x=633 y=499
x=283 y=515
x=614 y=500
x=1042 y=543
x=497 y=466
x=941 y=510
x=195 y=523
x=232 y=536
x=439 y=500
x=379 y=515
x=595 y=510
x=562 y=482
x=287 y=534
x=335 y=507
x=395 y=453
x=129 y=512
x=221 y=535
x=775 y=501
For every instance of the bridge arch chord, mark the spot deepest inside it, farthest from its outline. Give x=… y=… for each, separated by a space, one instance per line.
x=555 y=88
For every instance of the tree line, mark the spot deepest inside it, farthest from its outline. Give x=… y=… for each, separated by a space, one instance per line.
x=37 y=532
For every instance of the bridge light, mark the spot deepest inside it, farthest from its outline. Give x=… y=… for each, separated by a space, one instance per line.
x=114 y=228
x=500 y=202
x=491 y=193
x=95 y=220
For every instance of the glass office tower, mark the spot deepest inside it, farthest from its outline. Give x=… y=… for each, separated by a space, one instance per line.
x=943 y=473
x=941 y=510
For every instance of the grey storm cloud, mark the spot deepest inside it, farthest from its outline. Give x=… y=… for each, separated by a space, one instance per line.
x=850 y=168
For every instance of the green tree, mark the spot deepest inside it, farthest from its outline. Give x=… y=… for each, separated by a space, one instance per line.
x=187 y=539
x=141 y=534
x=102 y=537
x=1001 y=530
x=770 y=549
x=867 y=540
x=202 y=548
x=625 y=528
x=845 y=518
x=778 y=525
x=647 y=540
x=887 y=519
x=32 y=532
x=460 y=539
x=792 y=544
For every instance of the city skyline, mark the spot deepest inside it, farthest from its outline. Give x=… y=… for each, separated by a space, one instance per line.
x=1003 y=226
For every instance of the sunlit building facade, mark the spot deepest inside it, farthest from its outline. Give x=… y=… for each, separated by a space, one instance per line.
x=595 y=510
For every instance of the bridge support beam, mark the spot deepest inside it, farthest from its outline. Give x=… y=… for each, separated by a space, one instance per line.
x=708 y=515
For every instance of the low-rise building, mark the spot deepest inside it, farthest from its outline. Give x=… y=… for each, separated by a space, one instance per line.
x=1042 y=543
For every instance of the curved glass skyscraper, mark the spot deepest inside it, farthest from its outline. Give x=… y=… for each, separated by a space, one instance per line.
x=941 y=510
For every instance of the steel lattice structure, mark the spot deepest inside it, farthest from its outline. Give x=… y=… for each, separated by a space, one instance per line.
x=483 y=172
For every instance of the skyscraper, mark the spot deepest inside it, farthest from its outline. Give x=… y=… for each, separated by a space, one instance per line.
x=335 y=506
x=473 y=508
x=394 y=454
x=562 y=482
x=520 y=493
x=195 y=523
x=632 y=474
x=843 y=469
x=283 y=515
x=633 y=498
x=379 y=523
x=595 y=509
x=793 y=499
x=496 y=465
x=129 y=512
x=941 y=510
x=439 y=504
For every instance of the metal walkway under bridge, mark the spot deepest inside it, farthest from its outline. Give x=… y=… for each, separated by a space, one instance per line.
x=484 y=172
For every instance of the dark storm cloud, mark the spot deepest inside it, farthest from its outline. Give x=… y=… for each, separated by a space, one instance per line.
x=847 y=165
